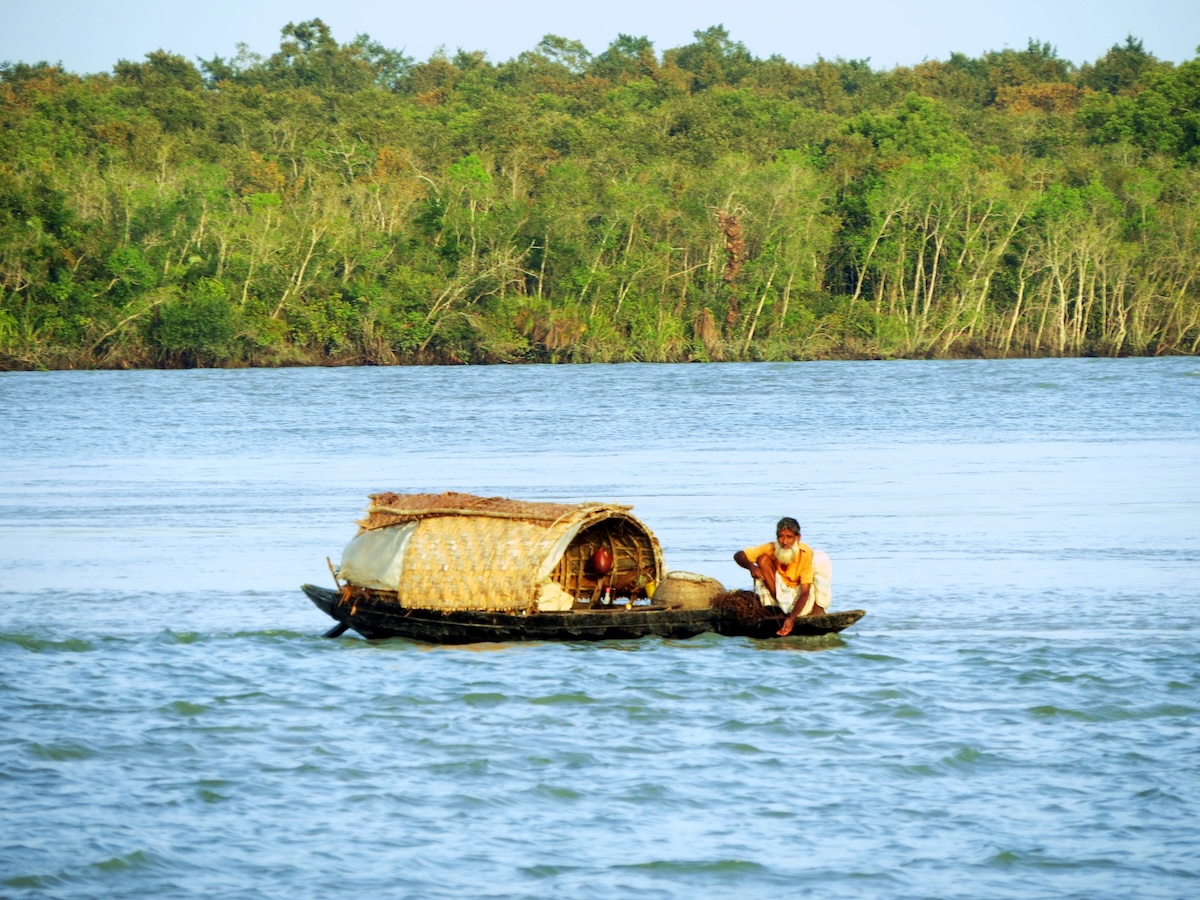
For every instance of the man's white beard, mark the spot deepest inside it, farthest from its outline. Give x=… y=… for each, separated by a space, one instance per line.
x=786 y=555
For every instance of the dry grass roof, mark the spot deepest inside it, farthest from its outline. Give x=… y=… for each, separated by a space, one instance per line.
x=392 y=509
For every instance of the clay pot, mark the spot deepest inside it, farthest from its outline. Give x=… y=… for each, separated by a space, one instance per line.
x=602 y=561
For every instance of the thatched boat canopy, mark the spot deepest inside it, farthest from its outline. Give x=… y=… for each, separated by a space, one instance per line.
x=458 y=551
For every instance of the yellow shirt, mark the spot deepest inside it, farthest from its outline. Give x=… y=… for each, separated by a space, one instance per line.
x=799 y=572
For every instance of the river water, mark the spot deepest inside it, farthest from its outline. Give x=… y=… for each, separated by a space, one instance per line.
x=1017 y=715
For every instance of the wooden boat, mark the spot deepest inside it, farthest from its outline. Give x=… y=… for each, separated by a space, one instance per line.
x=455 y=569
x=375 y=617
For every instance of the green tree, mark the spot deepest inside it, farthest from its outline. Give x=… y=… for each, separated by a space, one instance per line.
x=1120 y=69
x=714 y=59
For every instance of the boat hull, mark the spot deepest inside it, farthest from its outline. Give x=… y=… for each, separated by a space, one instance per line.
x=378 y=618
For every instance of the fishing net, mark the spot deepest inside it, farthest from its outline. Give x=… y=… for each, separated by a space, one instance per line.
x=746 y=605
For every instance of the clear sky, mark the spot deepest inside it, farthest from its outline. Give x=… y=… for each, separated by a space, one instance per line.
x=91 y=35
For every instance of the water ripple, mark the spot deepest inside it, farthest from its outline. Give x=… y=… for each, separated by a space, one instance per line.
x=1015 y=717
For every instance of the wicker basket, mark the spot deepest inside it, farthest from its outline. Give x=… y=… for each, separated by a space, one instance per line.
x=687 y=590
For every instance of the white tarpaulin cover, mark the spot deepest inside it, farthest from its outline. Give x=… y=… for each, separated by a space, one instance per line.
x=375 y=559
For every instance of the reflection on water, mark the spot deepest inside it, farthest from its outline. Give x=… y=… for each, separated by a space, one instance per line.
x=1014 y=716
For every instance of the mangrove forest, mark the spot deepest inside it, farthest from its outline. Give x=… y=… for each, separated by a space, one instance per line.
x=342 y=203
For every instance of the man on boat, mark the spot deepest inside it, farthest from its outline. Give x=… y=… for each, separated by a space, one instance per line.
x=783 y=573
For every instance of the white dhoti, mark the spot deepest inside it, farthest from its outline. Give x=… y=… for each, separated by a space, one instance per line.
x=820 y=594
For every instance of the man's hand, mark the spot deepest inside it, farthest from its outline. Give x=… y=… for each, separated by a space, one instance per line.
x=786 y=628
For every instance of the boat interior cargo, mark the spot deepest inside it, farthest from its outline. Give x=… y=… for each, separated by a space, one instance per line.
x=609 y=562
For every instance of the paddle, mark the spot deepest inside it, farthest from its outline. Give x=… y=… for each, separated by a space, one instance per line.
x=337 y=630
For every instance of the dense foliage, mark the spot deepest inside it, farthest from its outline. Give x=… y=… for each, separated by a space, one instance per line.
x=341 y=202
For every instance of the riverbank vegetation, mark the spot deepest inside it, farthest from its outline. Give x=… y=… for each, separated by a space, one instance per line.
x=342 y=203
